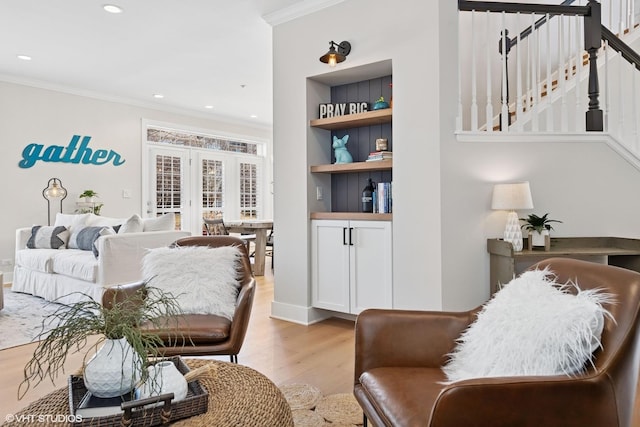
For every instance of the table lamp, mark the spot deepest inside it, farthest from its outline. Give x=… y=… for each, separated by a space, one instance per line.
x=509 y=197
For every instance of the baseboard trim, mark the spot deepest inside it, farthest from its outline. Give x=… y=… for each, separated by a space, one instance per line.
x=298 y=314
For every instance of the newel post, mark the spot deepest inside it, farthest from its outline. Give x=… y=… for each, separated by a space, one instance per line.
x=592 y=42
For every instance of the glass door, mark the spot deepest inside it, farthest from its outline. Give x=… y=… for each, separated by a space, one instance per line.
x=168 y=182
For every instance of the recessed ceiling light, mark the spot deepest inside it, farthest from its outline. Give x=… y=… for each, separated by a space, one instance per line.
x=208 y=106
x=253 y=116
x=158 y=95
x=24 y=57
x=112 y=8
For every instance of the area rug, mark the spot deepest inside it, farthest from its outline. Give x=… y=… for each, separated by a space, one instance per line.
x=21 y=318
x=311 y=409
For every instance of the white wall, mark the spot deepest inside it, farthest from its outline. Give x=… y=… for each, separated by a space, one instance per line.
x=29 y=114
x=442 y=187
x=584 y=184
x=378 y=30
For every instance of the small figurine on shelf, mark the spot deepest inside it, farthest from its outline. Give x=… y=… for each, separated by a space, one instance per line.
x=340 y=149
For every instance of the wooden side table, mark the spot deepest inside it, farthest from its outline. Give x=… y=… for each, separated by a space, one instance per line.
x=238 y=397
x=621 y=252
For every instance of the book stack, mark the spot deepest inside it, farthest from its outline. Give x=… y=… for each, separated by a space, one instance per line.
x=377 y=156
x=382 y=198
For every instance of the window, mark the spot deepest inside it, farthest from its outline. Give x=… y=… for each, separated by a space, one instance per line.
x=202 y=176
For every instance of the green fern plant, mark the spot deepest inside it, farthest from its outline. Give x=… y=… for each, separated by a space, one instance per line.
x=538 y=223
x=67 y=330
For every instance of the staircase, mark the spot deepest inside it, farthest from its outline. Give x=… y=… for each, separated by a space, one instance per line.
x=558 y=89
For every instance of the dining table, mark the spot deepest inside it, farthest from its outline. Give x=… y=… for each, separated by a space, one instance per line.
x=259 y=227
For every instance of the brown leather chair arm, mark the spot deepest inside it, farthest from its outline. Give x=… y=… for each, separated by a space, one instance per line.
x=406 y=338
x=241 y=315
x=121 y=293
x=517 y=401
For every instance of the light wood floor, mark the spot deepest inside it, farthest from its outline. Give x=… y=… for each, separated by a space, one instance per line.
x=320 y=354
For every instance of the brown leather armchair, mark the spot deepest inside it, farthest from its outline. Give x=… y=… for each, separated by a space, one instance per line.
x=399 y=355
x=205 y=334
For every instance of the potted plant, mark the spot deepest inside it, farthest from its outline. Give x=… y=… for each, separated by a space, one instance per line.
x=380 y=104
x=89 y=196
x=538 y=227
x=127 y=348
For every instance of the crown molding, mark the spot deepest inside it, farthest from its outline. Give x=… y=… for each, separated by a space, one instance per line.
x=39 y=84
x=297 y=10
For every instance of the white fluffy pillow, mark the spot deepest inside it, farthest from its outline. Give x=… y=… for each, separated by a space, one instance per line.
x=532 y=326
x=204 y=280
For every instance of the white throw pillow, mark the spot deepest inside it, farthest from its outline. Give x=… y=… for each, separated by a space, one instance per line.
x=204 y=280
x=133 y=224
x=70 y=221
x=164 y=222
x=532 y=326
x=105 y=221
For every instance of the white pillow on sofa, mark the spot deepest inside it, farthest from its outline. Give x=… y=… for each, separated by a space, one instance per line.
x=105 y=221
x=204 y=280
x=133 y=224
x=166 y=222
x=71 y=220
x=532 y=326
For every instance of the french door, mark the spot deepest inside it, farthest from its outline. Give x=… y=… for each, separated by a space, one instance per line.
x=197 y=183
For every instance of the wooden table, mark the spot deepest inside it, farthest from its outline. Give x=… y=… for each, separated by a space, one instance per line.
x=616 y=251
x=259 y=227
x=238 y=397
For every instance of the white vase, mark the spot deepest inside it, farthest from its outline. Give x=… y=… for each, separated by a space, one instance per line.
x=164 y=378
x=538 y=238
x=113 y=370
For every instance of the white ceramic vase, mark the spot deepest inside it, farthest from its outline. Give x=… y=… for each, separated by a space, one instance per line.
x=164 y=378
x=113 y=370
x=538 y=239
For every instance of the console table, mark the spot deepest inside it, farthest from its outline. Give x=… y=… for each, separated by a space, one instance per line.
x=503 y=262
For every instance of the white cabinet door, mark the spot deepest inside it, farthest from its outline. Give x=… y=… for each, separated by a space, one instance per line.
x=330 y=265
x=351 y=266
x=370 y=265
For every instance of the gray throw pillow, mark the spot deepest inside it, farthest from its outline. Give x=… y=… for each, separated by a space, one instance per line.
x=48 y=237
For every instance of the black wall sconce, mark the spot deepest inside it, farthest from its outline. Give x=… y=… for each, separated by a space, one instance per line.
x=334 y=56
x=54 y=191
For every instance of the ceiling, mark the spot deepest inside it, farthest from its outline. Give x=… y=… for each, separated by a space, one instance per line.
x=196 y=53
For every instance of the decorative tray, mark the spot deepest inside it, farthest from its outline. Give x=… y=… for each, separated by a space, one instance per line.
x=135 y=414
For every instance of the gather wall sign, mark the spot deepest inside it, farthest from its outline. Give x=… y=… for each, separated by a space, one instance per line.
x=77 y=151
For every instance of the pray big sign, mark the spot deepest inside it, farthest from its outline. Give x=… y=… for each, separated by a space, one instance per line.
x=343 y=108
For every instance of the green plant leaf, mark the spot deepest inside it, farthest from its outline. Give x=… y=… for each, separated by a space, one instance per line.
x=72 y=324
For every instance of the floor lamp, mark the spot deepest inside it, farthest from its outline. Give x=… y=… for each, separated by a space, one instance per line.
x=509 y=197
x=52 y=192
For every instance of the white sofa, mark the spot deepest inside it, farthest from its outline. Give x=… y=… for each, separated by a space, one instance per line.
x=64 y=273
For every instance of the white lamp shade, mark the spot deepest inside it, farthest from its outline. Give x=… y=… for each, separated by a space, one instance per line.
x=512 y=196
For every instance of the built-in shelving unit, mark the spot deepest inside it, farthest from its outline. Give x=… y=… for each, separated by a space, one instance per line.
x=351 y=251
x=347 y=179
x=367 y=118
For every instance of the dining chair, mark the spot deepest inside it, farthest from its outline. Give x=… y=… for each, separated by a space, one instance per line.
x=216 y=227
